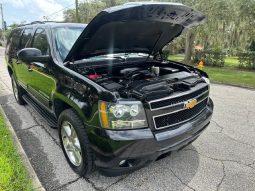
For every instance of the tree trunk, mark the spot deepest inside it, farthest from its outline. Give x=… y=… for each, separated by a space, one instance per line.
x=189 y=46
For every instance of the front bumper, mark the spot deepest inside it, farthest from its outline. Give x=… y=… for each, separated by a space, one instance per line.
x=120 y=152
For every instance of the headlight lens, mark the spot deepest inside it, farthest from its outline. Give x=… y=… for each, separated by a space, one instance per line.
x=122 y=115
x=206 y=80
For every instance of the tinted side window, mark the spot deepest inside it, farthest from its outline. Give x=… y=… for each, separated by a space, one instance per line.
x=26 y=38
x=40 y=41
x=15 y=37
x=13 y=41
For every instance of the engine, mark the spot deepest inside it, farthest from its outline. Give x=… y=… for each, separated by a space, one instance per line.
x=144 y=83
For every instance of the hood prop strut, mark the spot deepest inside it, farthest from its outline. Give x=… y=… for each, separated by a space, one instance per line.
x=154 y=46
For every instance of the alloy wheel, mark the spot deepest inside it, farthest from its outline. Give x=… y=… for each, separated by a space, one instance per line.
x=71 y=143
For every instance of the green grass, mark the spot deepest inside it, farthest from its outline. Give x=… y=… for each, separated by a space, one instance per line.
x=231 y=76
x=231 y=61
x=177 y=57
x=13 y=175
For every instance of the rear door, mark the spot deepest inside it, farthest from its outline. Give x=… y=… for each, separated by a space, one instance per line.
x=21 y=68
x=42 y=82
x=12 y=46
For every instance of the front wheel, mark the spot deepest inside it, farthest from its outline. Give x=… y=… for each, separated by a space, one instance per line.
x=17 y=91
x=74 y=142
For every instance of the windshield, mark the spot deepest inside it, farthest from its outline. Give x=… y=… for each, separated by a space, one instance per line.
x=65 y=38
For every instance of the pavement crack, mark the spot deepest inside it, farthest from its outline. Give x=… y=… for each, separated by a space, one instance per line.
x=251 y=165
x=222 y=160
x=218 y=125
x=121 y=179
x=223 y=177
x=182 y=181
x=55 y=141
x=93 y=184
x=236 y=140
x=66 y=184
x=31 y=127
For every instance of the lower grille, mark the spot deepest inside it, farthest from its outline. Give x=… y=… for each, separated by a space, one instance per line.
x=172 y=119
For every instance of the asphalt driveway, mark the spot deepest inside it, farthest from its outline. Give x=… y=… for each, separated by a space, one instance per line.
x=222 y=158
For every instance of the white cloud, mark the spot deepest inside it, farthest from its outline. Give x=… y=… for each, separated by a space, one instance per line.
x=47 y=7
x=40 y=7
x=15 y=3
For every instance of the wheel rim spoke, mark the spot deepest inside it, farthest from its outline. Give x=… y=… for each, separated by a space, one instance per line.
x=71 y=143
x=77 y=144
x=77 y=156
x=67 y=130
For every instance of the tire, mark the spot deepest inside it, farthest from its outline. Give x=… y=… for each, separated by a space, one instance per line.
x=85 y=165
x=17 y=91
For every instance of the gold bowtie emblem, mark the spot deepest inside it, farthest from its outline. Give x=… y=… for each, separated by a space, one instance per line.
x=190 y=103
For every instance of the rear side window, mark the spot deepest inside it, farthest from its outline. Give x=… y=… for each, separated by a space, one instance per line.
x=40 y=41
x=26 y=38
x=13 y=40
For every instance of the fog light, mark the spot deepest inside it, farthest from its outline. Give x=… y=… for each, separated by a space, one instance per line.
x=125 y=163
x=122 y=162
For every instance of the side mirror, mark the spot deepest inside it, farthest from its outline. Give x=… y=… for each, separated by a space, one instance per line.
x=32 y=55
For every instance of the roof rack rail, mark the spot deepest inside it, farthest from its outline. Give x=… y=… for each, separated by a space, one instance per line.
x=39 y=22
x=32 y=23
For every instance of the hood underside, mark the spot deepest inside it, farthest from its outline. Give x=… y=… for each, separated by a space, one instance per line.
x=134 y=27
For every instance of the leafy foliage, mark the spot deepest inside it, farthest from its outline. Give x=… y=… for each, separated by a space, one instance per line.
x=252 y=46
x=89 y=9
x=247 y=60
x=229 y=26
x=211 y=58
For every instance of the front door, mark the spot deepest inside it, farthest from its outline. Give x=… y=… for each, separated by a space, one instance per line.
x=21 y=69
x=42 y=83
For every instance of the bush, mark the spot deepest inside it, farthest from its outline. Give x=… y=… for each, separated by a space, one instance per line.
x=247 y=60
x=166 y=53
x=252 y=46
x=210 y=58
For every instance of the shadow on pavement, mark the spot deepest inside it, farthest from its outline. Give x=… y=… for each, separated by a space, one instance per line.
x=42 y=148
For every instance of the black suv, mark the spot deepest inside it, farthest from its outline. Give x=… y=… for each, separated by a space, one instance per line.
x=117 y=104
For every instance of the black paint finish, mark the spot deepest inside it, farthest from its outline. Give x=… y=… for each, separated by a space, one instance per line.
x=56 y=85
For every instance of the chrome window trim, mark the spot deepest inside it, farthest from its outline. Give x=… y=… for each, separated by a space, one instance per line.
x=176 y=112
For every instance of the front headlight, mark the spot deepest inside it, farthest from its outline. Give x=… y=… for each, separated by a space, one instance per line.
x=122 y=115
x=206 y=80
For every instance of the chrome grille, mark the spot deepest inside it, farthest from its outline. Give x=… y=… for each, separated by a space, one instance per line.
x=168 y=102
x=179 y=117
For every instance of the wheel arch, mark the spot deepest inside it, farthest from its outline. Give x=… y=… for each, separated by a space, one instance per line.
x=61 y=103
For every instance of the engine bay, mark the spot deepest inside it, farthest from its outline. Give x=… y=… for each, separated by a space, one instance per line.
x=143 y=81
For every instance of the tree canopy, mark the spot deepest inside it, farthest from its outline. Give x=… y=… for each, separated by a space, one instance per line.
x=229 y=27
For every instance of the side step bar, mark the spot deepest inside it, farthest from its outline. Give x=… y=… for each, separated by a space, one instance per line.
x=48 y=117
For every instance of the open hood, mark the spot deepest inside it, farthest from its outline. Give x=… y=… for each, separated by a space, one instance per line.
x=134 y=27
